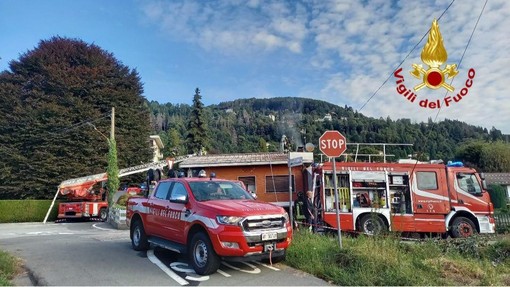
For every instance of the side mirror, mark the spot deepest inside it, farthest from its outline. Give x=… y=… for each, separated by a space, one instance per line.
x=180 y=199
x=484 y=185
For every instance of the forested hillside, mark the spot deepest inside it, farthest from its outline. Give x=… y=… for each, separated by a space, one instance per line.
x=252 y=125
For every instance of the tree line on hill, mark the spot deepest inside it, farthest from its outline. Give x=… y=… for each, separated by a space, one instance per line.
x=258 y=125
x=56 y=100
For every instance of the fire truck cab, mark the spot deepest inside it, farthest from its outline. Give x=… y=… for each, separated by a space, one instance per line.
x=408 y=197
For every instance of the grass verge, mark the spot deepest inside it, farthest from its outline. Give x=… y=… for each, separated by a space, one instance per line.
x=9 y=267
x=385 y=261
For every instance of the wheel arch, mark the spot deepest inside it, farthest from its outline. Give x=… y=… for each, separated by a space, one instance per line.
x=134 y=218
x=194 y=229
x=357 y=223
x=462 y=213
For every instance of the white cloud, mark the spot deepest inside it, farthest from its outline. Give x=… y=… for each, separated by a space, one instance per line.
x=355 y=45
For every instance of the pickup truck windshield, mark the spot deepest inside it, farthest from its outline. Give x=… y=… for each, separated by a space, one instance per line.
x=218 y=190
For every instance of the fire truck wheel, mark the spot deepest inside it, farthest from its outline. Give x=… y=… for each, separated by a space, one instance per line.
x=203 y=258
x=138 y=237
x=462 y=227
x=103 y=213
x=372 y=224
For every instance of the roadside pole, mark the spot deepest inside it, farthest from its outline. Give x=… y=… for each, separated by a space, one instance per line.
x=333 y=144
x=337 y=205
x=290 y=196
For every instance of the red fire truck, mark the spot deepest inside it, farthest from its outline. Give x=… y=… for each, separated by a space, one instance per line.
x=85 y=196
x=409 y=197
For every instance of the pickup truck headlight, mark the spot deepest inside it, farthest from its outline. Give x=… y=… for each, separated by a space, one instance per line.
x=228 y=220
x=286 y=216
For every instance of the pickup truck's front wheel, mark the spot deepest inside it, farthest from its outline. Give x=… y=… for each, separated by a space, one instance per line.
x=138 y=237
x=204 y=259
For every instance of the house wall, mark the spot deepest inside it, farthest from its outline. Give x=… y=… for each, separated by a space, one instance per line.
x=260 y=173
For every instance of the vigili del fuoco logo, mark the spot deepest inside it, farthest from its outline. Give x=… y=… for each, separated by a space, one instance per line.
x=434 y=77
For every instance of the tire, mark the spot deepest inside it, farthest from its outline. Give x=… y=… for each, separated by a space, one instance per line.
x=202 y=256
x=103 y=214
x=138 y=237
x=462 y=227
x=372 y=224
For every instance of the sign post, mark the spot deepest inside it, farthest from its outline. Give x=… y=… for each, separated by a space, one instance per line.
x=297 y=161
x=333 y=144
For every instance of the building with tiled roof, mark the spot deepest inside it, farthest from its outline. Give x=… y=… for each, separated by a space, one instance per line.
x=242 y=159
x=265 y=174
x=499 y=178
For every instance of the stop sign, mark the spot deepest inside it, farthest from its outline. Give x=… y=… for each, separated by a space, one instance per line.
x=332 y=143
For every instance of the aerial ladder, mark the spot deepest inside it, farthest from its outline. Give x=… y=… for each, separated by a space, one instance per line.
x=83 y=199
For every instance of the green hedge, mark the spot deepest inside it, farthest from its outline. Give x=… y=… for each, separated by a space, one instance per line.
x=26 y=210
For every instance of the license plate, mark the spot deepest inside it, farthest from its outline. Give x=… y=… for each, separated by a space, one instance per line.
x=269 y=236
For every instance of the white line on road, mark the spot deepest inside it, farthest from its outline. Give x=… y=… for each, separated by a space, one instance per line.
x=223 y=273
x=254 y=271
x=267 y=266
x=100 y=228
x=155 y=260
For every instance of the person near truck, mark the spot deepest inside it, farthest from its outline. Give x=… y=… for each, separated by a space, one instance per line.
x=309 y=210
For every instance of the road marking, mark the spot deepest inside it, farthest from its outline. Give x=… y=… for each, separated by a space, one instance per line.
x=184 y=268
x=267 y=266
x=100 y=228
x=173 y=275
x=254 y=271
x=223 y=273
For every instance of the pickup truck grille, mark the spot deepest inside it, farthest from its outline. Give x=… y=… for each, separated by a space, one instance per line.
x=263 y=223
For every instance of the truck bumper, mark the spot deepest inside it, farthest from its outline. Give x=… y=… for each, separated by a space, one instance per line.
x=233 y=242
x=255 y=257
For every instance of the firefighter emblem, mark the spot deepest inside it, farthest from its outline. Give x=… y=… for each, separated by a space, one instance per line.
x=434 y=55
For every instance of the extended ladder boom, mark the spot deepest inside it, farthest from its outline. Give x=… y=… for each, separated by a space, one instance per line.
x=123 y=172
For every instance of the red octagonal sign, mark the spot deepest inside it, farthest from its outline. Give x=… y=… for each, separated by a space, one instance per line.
x=332 y=143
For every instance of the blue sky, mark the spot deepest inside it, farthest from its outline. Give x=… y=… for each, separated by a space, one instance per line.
x=337 y=51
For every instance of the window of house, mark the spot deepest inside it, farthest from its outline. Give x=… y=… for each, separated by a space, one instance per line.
x=279 y=183
x=162 y=191
x=249 y=182
x=426 y=180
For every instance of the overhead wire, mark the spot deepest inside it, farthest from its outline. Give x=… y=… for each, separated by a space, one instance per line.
x=460 y=62
x=405 y=58
x=465 y=49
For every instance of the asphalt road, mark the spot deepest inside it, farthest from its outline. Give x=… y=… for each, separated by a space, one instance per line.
x=92 y=253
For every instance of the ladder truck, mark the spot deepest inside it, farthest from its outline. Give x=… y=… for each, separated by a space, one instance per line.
x=86 y=197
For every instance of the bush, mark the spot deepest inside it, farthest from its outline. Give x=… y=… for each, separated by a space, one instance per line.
x=122 y=200
x=498 y=195
x=26 y=210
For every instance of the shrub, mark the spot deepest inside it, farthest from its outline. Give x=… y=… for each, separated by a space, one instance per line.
x=498 y=195
x=26 y=210
x=122 y=200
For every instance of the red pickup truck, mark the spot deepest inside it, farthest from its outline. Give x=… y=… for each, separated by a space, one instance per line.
x=210 y=220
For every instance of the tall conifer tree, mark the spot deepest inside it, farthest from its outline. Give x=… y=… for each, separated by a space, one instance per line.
x=197 y=141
